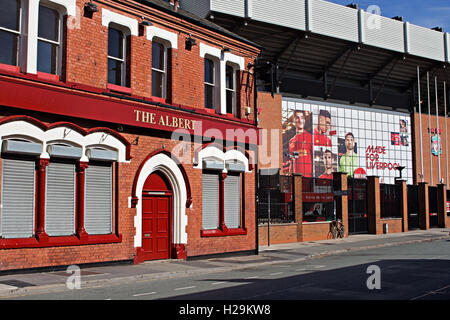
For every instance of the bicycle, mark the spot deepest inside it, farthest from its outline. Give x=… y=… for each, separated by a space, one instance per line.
x=337 y=229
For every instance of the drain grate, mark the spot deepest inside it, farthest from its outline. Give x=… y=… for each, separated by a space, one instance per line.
x=17 y=283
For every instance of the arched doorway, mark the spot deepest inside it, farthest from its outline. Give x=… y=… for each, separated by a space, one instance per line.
x=157 y=204
x=173 y=179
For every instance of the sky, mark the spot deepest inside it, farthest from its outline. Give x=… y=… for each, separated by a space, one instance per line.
x=424 y=13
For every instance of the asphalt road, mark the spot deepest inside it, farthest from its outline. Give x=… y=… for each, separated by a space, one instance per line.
x=407 y=272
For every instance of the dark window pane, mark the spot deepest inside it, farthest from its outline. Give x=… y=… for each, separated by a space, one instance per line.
x=8 y=48
x=230 y=101
x=115 y=43
x=230 y=77
x=115 y=72
x=157 y=84
x=209 y=71
x=48 y=24
x=9 y=14
x=209 y=97
x=157 y=56
x=47 y=57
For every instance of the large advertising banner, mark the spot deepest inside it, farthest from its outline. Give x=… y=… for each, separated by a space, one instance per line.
x=322 y=138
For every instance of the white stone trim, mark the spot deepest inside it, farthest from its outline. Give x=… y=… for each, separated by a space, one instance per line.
x=163 y=163
x=69 y=5
x=130 y=23
x=213 y=51
x=224 y=58
x=171 y=37
x=25 y=130
x=32 y=17
x=32 y=35
x=215 y=152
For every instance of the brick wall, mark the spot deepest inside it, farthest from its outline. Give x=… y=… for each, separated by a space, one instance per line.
x=279 y=233
x=196 y=244
x=269 y=120
x=316 y=231
x=394 y=224
x=85 y=63
x=430 y=162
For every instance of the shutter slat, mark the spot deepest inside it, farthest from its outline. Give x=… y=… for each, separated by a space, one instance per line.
x=60 y=199
x=232 y=201
x=18 y=187
x=210 y=201
x=98 y=200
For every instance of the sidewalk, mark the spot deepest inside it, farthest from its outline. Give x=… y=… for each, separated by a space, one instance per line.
x=22 y=283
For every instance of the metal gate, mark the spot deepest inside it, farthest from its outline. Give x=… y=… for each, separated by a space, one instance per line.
x=357 y=206
x=433 y=206
x=390 y=204
x=413 y=207
x=275 y=202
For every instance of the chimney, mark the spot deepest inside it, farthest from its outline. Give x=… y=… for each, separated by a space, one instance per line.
x=175 y=4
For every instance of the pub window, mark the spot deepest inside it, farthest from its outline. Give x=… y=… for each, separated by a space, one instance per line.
x=17 y=216
x=210 y=84
x=98 y=198
x=60 y=198
x=10 y=31
x=230 y=89
x=117 y=57
x=232 y=200
x=159 y=70
x=49 y=40
x=60 y=189
x=210 y=200
x=219 y=185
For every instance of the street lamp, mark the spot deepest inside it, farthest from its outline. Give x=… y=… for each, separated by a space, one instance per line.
x=400 y=169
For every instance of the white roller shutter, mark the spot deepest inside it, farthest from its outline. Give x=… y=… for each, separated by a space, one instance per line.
x=232 y=201
x=18 y=194
x=98 y=199
x=60 y=199
x=210 y=201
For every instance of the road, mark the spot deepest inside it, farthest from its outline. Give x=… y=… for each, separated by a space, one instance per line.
x=418 y=271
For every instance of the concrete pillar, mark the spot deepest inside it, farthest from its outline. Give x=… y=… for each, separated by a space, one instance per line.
x=404 y=203
x=442 y=205
x=298 y=204
x=424 y=210
x=373 y=205
x=340 y=184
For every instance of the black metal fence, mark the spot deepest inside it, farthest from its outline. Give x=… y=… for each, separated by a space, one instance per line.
x=413 y=207
x=447 y=204
x=318 y=201
x=390 y=201
x=357 y=206
x=275 y=199
x=433 y=206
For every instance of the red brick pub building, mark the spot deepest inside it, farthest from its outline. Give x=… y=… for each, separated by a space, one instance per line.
x=127 y=131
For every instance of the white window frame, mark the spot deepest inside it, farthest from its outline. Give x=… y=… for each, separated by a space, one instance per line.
x=125 y=34
x=19 y=33
x=222 y=59
x=58 y=43
x=215 y=84
x=233 y=90
x=164 y=71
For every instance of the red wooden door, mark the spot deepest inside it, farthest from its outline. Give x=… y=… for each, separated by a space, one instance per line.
x=156 y=227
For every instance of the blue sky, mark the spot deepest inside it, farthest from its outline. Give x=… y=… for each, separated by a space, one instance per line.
x=425 y=13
